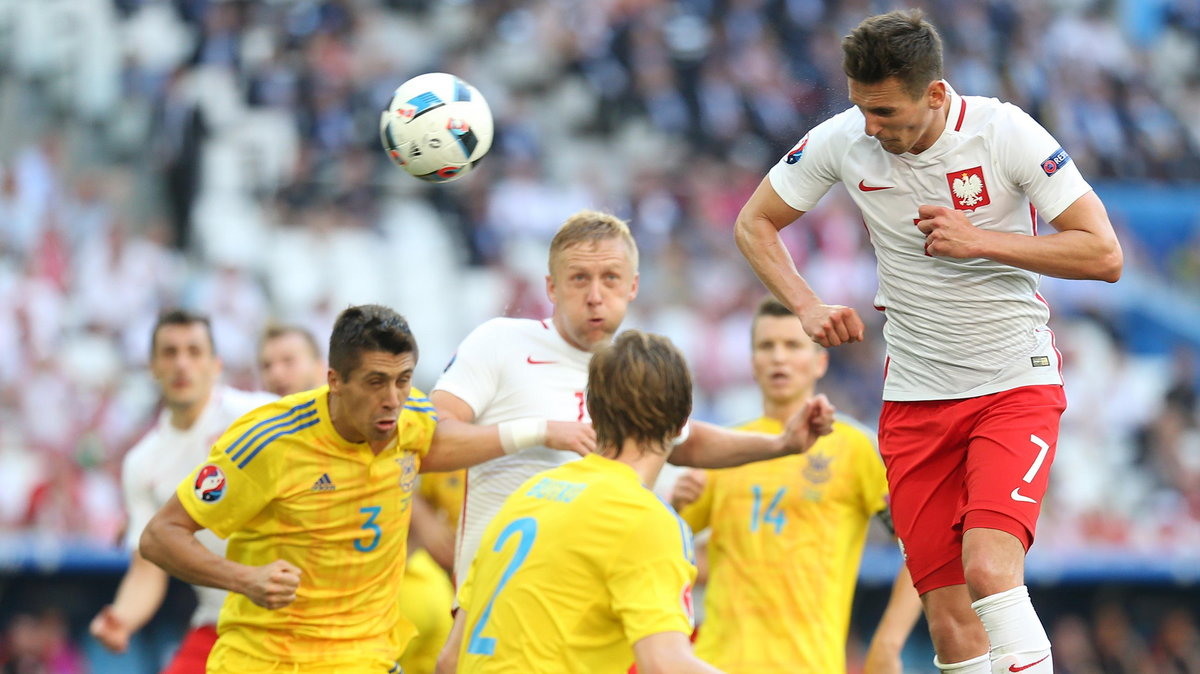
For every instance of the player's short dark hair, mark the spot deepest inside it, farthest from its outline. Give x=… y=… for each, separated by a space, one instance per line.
x=367 y=327
x=770 y=306
x=639 y=388
x=277 y=330
x=900 y=44
x=181 y=317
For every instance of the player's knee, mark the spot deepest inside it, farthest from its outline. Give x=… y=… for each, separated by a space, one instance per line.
x=990 y=574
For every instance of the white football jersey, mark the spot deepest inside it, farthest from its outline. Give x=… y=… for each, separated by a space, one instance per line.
x=955 y=328
x=163 y=458
x=506 y=369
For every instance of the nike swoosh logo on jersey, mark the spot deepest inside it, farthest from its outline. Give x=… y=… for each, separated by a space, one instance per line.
x=862 y=185
x=1017 y=496
x=531 y=361
x=1014 y=668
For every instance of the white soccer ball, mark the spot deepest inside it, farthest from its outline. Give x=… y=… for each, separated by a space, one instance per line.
x=436 y=127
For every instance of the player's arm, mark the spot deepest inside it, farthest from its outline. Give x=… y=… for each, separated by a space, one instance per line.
x=170 y=542
x=458 y=442
x=669 y=653
x=430 y=532
x=899 y=617
x=757 y=235
x=1084 y=246
x=139 y=595
x=711 y=446
x=447 y=662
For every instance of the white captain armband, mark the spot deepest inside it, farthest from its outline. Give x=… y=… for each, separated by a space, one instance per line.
x=521 y=434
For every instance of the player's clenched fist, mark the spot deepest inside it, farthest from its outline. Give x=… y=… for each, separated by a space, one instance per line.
x=832 y=324
x=688 y=488
x=947 y=232
x=273 y=585
x=571 y=436
x=811 y=422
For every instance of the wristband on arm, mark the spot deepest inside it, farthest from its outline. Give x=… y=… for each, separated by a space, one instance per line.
x=521 y=434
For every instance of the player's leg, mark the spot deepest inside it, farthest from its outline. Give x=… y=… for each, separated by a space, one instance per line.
x=923 y=447
x=1008 y=467
x=957 y=635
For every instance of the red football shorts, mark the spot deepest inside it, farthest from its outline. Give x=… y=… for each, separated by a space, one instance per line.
x=193 y=652
x=954 y=465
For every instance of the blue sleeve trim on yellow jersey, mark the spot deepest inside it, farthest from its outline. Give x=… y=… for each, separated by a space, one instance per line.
x=286 y=431
x=419 y=399
x=424 y=410
x=685 y=532
x=418 y=407
x=268 y=429
x=267 y=421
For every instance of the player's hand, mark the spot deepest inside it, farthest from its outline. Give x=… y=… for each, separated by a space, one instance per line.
x=110 y=630
x=948 y=233
x=832 y=324
x=688 y=488
x=273 y=586
x=812 y=421
x=882 y=660
x=571 y=436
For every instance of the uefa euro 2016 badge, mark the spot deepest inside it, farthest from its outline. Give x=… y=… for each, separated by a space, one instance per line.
x=210 y=484
x=795 y=153
x=968 y=189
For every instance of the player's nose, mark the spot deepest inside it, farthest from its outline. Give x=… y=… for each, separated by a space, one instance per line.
x=595 y=293
x=871 y=126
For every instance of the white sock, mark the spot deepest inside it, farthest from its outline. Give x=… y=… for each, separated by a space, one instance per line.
x=1018 y=640
x=979 y=665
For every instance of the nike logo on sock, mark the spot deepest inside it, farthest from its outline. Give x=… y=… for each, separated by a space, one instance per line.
x=1014 y=668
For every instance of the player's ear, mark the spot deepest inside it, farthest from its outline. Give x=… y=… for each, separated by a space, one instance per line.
x=634 y=288
x=937 y=95
x=331 y=378
x=820 y=363
x=550 y=288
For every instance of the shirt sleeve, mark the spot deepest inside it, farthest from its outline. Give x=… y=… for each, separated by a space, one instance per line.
x=473 y=373
x=651 y=577
x=222 y=495
x=871 y=473
x=417 y=424
x=140 y=504
x=1037 y=163
x=698 y=513
x=810 y=168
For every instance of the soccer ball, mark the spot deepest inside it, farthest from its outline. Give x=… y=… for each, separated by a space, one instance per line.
x=437 y=127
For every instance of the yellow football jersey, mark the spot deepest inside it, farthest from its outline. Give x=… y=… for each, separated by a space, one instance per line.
x=786 y=542
x=282 y=484
x=426 y=599
x=581 y=562
x=445 y=492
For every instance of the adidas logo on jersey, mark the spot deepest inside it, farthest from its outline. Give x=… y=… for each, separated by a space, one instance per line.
x=323 y=483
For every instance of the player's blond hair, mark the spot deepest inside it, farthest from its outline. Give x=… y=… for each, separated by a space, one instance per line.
x=592 y=227
x=640 y=389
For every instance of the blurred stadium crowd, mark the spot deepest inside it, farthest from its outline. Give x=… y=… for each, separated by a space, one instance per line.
x=223 y=155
